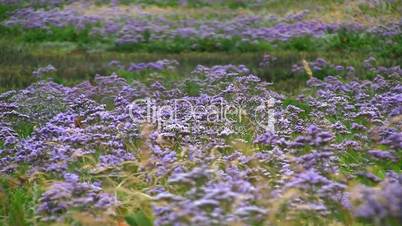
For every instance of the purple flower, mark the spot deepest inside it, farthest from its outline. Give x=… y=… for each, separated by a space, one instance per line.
x=382 y=154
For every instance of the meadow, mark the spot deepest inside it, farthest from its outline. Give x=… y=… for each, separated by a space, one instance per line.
x=198 y=112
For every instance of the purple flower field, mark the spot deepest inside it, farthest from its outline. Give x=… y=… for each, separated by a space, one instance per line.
x=138 y=113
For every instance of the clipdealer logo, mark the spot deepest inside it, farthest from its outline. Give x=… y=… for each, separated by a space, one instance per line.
x=183 y=111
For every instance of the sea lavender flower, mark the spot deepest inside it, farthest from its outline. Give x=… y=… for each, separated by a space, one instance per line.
x=382 y=154
x=71 y=194
x=44 y=70
x=381 y=202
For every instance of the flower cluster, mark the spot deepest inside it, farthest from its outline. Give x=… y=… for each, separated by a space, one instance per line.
x=44 y=70
x=72 y=194
x=127 y=29
x=199 y=171
x=158 y=65
x=380 y=202
x=321 y=65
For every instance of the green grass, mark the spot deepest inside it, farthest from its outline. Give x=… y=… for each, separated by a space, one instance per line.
x=192 y=88
x=138 y=219
x=190 y=3
x=305 y=107
x=178 y=45
x=6 y=10
x=52 y=34
x=67 y=34
x=24 y=129
x=76 y=62
x=19 y=201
